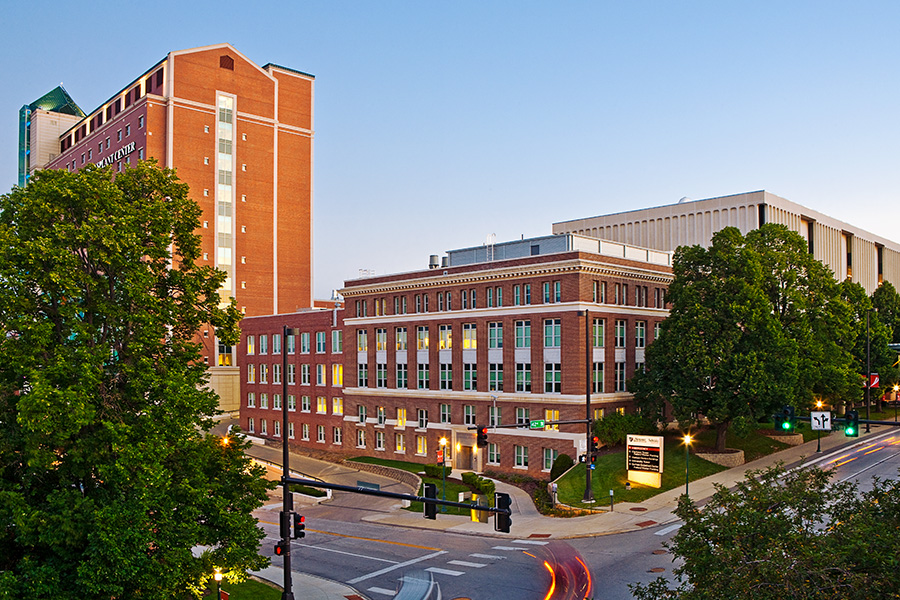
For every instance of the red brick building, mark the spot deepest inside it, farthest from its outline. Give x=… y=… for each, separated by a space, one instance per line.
x=240 y=136
x=497 y=336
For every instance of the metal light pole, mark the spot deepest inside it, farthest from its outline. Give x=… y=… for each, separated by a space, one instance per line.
x=868 y=367
x=687 y=463
x=896 y=387
x=218 y=577
x=818 y=432
x=287 y=504
x=588 y=359
x=443 y=443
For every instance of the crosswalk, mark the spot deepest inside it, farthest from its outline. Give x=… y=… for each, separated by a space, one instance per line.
x=459 y=567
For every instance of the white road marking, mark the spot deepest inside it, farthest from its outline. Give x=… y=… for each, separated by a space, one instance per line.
x=396 y=566
x=512 y=548
x=669 y=529
x=378 y=590
x=488 y=556
x=462 y=563
x=533 y=542
x=444 y=571
x=317 y=548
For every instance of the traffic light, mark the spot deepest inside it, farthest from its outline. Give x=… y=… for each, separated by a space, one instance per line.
x=430 y=507
x=280 y=548
x=851 y=424
x=787 y=418
x=481 y=439
x=593 y=458
x=502 y=521
x=299 y=526
x=595 y=444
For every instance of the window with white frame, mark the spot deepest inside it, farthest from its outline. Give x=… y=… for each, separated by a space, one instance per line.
x=276 y=428
x=552 y=378
x=495 y=377
x=264 y=400
x=640 y=334
x=495 y=334
x=276 y=343
x=263 y=427
x=598 y=333
x=292 y=374
x=399 y=443
x=320 y=434
x=360 y=438
x=549 y=456
x=402 y=376
x=305 y=404
x=380 y=416
x=381 y=375
x=552 y=333
x=380 y=339
x=400 y=335
x=337 y=435
x=470 y=376
x=523 y=415
x=337 y=375
x=276 y=373
x=320 y=342
x=251 y=426
x=304 y=343
x=251 y=373
x=290 y=430
x=304 y=432
x=445 y=413
x=263 y=373
x=469 y=414
x=422 y=337
x=304 y=374
x=276 y=401
x=379 y=440
x=523 y=377
x=401 y=417
x=446 y=337
x=291 y=343
x=422 y=418
x=620 y=333
x=495 y=415
x=422 y=442
x=337 y=341
x=470 y=341
x=521 y=456
x=337 y=406
x=551 y=414
x=362 y=375
x=423 y=379
x=446 y=376
x=263 y=344
x=251 y=344
x=321 y=405
x=320 y=374
x=620 y=377
x=598 y=378
x=493 y=454
x=362 y=340
x=523 y=334
x=292 y=403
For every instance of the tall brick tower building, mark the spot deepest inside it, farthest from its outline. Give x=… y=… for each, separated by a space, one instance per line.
x=241 y=136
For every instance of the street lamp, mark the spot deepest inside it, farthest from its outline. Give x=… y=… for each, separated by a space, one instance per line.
x=443 y=443
x=287 y=504
x=687 y=462
x=896 y=388
x=818 y=432
x=868 y=367
x=218 y=577
x=588 y=360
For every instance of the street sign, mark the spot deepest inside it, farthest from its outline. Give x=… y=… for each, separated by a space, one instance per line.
x=820 y=420
x=592 y=466
x=440 y=457
x=644 y=459
x=873 y=380
x=537 y=423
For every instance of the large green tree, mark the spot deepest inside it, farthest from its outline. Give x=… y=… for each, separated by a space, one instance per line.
x=781 y=534
x=886 y=301
x=722 y=353
x=109 y=480
x=806 y=300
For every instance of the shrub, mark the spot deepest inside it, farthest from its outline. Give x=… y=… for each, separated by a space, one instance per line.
x=434 y=471
x=562 y=464
x=613 y=428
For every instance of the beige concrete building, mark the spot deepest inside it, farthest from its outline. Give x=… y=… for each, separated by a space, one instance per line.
x=850 y=252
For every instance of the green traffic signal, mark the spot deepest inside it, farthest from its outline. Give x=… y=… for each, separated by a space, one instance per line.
x=851 y=426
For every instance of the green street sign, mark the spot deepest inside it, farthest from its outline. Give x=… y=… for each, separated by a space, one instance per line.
x=537 y=424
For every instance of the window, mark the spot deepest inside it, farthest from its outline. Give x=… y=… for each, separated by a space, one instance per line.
x=469 y=336
x=305 y=404
x=320 y=342
x=320 y=374
x=290 y=430
x=400 y=335
x=337 y=341
x=251 y=343
x=379 y=440
x=422 y=418
x=250 y=425
x=276 y=343
x=304 y=374
x=362 y=340
x=523 y=334
x=464 y=299
x=276 y=401
x=337 y=436
x=422 y=444
x=263 y=428
x=598 y=378
x=264 y=400
x=521 y=456
x=251 y=373
x=251 y=400
x=422 y=381
x=304 y=343
x=361 y=414
x=620 y=333
x=380 y=375
x=523 y=377
x=598 y=332
x=263 y=344
x=264 y=373
x=440 y=298
x=552 y=378
x=557 y=291
x=320 y=434
x=493 y=454
x=546 y=289
x=470 y=376
x=445 y=413
x=499 y=291
x=422 y=338
x=119 y=135
x=549 y=457
x=551 y=414
x=418 y=303
x=276 y=427
x=446 y=376
x=552 y=333
x=473 y=295
x=657 y=330
x=640 y=334
x=523 y=415
x=291 y=343
x=401 y=417
x=449 y=299
x=304 y=432
x=380 y=339
x=321 y=405
x=337 y=375
x=402 y=376
x=292 y=403
x=490 y=297
x=399 y=443
x=276 y=373
x=494 y=415
x=469 y=414
x=495 y=377
x=140 y=121
x=337 y=406
x=495 y=335
x=620 y=377
x=362 y=375
x=380 y=415
x=446 y=337
x=517 y=295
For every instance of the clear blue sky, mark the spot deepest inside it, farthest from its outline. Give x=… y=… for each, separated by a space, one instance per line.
x=438 y=123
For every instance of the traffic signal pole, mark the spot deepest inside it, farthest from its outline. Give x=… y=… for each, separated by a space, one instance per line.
x=287 y=505
x=588 y=417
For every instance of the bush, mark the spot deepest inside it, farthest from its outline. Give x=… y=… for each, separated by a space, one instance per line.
x=562 y=464
x=434 y=471
x=483 y=486
x=613 y=428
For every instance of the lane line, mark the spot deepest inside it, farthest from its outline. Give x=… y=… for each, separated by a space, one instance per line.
x=669 y=529
x=869 y=467
x=532 y=542
x=378 y=590
x=324 y=549
x=365 y=539
x=445 y=571
x=397 y=566
x=510 y=548
x=462 y=563
x=488 y=556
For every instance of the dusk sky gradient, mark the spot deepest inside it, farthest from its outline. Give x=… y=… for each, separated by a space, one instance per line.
x=438 y=123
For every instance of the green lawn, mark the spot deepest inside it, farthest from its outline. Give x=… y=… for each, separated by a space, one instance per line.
x=397 y=464
x=249 y=590
x=610 y=474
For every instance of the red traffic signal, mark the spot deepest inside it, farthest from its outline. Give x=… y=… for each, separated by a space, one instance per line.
x=279 y=549
x=481 y=439
x=299 y=526
x=595 y=443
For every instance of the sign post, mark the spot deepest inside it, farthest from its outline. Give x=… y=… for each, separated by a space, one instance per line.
x=820 y=421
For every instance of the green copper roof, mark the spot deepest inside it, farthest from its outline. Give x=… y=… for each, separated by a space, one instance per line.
x=57 y=100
